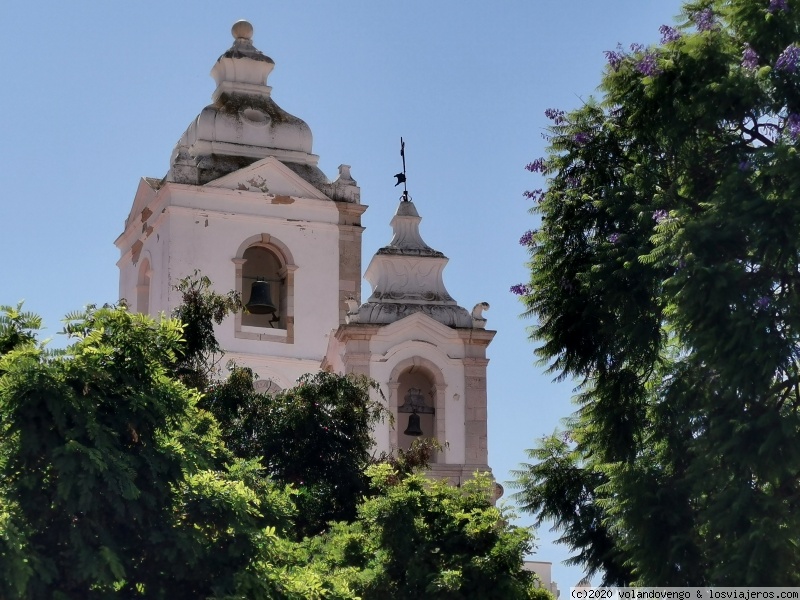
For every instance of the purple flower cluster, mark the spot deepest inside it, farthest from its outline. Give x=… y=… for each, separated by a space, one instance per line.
x=749 y=58
x=527 y=238
x=535 y=195
x=555 y=115
x=776 y=5
x=763 y=302
x=789 y=59
x=745 y=165
x=581 y=138
x=648 y=65
x=614 y=238
x=661 y=215
x=537 y=166
x=704 y=19
x=520 y=289
x=793 y=126
x=615 y=57
x=669 y=34
x=572 y=182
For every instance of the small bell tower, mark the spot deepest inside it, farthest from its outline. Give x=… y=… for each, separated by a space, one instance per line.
x=428 y=353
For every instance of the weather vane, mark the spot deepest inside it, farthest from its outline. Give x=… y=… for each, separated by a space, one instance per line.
x=401 y=177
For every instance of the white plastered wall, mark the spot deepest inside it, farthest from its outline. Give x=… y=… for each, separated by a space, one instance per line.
x=191 y=227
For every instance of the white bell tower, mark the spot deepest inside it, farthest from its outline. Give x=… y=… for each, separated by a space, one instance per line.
x=244 y=201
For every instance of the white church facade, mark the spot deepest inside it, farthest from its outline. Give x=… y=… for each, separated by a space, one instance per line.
x=245 y=203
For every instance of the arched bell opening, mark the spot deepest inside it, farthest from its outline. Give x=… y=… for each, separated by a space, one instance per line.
x=416 y=409
x=266 y=258
x=263 y=289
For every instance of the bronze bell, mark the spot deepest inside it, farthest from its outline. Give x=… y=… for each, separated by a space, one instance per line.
x=413 y=425
x=261 y=299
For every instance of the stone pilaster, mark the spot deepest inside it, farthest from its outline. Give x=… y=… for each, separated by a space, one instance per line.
x=350 y=231
x=475 y=401
x=356 y=340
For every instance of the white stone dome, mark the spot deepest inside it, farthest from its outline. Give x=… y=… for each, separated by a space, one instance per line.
x=243 y=124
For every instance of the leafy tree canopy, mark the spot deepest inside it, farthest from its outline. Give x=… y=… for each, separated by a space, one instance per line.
x=316 y=437
x=423 y=539
x=113 y=481
x=120 y=479
x=328 y=418
x=665 y=280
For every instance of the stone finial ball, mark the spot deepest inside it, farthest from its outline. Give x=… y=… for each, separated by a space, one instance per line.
x=242 y=29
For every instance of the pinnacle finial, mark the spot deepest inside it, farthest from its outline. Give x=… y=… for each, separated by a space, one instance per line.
x=242 y=29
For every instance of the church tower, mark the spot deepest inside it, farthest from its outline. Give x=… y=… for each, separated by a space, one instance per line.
x=245 y=203
x=428 y=352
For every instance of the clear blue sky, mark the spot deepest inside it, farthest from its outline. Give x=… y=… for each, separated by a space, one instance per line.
x=95 y=95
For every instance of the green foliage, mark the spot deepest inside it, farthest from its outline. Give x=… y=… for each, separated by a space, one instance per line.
x=329 y=420
x=664 y=279
x=112 y=480
x=422 y=539
x=199 y=309
x=417 y=458
x=562 y=488
x=17 y=327
x=118 y=479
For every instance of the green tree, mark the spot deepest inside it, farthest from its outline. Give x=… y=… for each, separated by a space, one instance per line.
x=560 y=487
x=112 y=480
x=315 y=437
x=421 y=539
x=17 y=327
x=665 y=279
x=200 y=308
x=328 y=418
x=120 y=479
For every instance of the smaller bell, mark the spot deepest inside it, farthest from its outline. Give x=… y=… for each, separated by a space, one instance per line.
x=413 y=425
x=261 y=299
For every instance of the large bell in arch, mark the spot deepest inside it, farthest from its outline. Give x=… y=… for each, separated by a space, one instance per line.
x=261 y=299
x=413 y=425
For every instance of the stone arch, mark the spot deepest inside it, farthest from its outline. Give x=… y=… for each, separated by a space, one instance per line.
x=266 y=240
x=422 y=373
x=265 y=252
